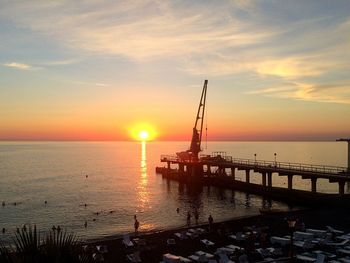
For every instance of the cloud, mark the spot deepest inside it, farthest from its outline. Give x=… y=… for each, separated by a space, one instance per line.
x=328 y=93
x=102 y=84
x=40 y=65
x=289 y=67
x=214 y=38
x=247 y=5
x=59 y=62
x=19 y=66
x=97 y=84
x=140 y=30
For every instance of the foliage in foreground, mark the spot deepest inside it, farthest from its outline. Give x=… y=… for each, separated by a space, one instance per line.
x=55 y=247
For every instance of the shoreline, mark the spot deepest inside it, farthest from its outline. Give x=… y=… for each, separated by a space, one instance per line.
x=170 y=229
x=185 y=226
x=157 y=240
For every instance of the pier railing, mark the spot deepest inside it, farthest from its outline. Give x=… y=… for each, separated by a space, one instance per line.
x=326 y=169
x=256 y=164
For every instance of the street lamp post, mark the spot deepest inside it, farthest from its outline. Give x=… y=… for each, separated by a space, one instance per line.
x=275 y=154
x=348 y=141
x=291 y=224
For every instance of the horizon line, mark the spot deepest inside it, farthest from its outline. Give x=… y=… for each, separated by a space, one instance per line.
x=175 y=140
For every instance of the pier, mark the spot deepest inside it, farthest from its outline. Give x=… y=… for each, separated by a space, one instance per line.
x=220 y=170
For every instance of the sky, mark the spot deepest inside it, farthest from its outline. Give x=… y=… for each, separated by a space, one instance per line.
x=99 y=70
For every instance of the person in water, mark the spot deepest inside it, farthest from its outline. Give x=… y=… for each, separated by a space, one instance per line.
x=136 y=225
x=188 y=218
x=210 y=220
x=196 y=216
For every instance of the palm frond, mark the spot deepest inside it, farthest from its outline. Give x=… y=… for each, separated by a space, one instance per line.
x=5 y=254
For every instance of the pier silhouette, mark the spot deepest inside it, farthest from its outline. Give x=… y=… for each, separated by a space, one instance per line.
x=219 y=169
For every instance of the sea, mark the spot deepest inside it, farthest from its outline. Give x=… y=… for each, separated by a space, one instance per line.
x=106 y=183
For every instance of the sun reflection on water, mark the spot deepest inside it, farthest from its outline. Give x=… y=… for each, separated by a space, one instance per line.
x=143 y=192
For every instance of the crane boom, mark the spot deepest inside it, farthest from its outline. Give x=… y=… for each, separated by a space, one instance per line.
x=195 y=147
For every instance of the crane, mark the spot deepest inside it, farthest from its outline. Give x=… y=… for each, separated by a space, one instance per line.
x=197 y=131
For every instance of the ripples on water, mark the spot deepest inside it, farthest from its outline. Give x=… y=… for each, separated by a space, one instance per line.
x=121 y=182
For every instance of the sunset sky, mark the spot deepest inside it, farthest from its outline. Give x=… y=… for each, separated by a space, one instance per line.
x=98 y=70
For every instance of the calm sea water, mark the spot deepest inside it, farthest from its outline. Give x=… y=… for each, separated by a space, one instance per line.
x=122 y=182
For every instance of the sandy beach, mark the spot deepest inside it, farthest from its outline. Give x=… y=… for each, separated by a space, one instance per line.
x=154 y=245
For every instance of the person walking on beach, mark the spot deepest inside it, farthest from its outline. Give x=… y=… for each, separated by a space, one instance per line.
x=210 y=220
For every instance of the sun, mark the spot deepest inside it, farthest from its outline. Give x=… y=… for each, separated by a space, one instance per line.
x=142 y=132
x=143 y=135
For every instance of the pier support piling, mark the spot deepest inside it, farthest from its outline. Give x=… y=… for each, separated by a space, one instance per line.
x=233 y=172
x=269 y=179
x=263 y=175
x=169 y=166
x=341 y=187
x=348 y=156
x=313 y=184
x=208 y=170
x=290 y=181
x=181 y=168
x=247 y=176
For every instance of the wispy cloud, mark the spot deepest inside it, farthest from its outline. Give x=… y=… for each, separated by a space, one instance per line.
x=19 y=66
x=138 y=29
x=207 y=38
x=85 y=83
x=329 y=93
x=59 y=62
x=292 y=67
x=40 y=65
